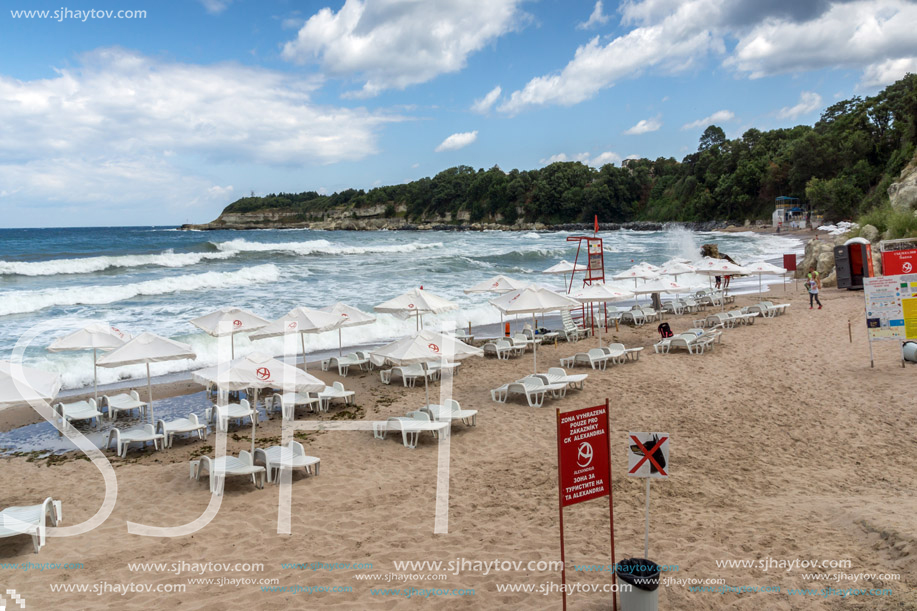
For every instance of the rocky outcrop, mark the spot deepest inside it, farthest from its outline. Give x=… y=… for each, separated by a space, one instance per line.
x=903 y=194
x=820 y=255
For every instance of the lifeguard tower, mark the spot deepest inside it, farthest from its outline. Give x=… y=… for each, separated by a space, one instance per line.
x=594 y=252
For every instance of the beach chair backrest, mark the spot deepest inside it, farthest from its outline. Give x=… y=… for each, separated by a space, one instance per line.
x=557 y=371
x=453 y=406
x=596 y=353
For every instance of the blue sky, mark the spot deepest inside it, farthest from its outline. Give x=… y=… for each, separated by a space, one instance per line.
x=168 y=118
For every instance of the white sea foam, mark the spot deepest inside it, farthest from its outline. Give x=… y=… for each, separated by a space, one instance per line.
x=318 y=247
x=20 y=302
x=89 y=265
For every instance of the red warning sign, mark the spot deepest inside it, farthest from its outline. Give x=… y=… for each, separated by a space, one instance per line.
x=582 y=438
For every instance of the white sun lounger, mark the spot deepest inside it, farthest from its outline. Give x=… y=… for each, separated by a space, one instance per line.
x=595 y=358
x=123 y=439
x=287 y=403
x=689 y=341
x=635 y=317
x=534 y=389
x=335 y=391
x=617 y=352
x=219 y=468
x=81 y=410
x=557 y=375
x=180 y=426
x=451 y=411
x=124 y=402
x=30 y=520
x=220 y=415
x=521 y=339
x=411 y=426
x=409 y=374
x=344 y=363
x=502 y=349
x=292 y=456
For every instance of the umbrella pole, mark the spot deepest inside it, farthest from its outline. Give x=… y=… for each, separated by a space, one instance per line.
x=232 y=346
x=340 y=343
x=254 y=418
x=95 y=376
x=426 y=385
x=302 y=339
x=149 y=390
x=534 y=345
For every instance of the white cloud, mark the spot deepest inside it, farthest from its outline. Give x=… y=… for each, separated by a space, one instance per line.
x=391 y=44
x=457 y=141
x=595 y=162
x=644 y=126
x=718 y=117
x=773 y=37
x=887 y=72
x=215 y=7
x=808 y=101
x=484 y=104
x=596 y=18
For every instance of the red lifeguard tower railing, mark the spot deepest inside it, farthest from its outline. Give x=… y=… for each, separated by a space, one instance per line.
x=594 y=254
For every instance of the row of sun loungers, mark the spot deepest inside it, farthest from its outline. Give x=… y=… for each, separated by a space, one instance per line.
x=695 y=341
x=267 y=463
x=411 y=374
x=598 y=358
x=344 y=363
x=537 y=386
x=434 y=419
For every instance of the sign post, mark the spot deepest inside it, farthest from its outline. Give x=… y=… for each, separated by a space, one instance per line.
x=891 y=309
x=648 y=458
x=583 y=469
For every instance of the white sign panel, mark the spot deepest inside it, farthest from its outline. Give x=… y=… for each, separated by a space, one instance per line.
x=648 y=455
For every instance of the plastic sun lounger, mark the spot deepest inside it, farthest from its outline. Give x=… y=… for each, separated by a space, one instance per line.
x=335 y=391
x=595 y=358
x=411 y=426
x=123 y=439
x=220 y=415
x=689 y=341
x=617 y=352
x=635 y=317
x=30 y=520
x=219 y=468
x=502 y=349
x=180 y=426
x=287 y=403
x=409 y=374
x=82 y=410
x=124 y=402
x=292 y=456
x=557 y=375
x=451 y=411
x=534 y=390
x=344 y=363
x=521 y=339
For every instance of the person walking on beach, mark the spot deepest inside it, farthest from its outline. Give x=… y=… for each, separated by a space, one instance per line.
x=813 y=283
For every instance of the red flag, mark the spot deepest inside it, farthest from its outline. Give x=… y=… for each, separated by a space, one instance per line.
x=596 y=223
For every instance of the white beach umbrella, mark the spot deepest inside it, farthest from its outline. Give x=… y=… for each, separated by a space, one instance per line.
x=674 y=260
x=718 y=267
x=416 y=302
x=565 y=267
x=19 y=384
x=675 y=268
x=258 y=370
x=300 y=320
x=95 y=336
x=497 y=284
x=421 y=348
x=601 y=293
x=533 y=300
x=144 y=349
x=352 y=318
x=636 y=272
x=762 y=268
x=229 y=321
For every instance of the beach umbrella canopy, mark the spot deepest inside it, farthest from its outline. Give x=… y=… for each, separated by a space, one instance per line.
x=636 y=272
x=564 y=267
x=660 y=285
x=19 y=384
x=95 y=336
x=764 y=268
x=300 y=320
x=533 y=300
x=229 y=321
x=497 y=284
x=675 y=268
x=352 y=318
x=601 y=293
x=258 y=370
x=144 y=349
x=421 y=348
x=718 y=267
x=677 y=260
x=416 y=302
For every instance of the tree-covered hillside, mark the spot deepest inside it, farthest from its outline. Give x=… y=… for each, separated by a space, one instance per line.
x=841 y=166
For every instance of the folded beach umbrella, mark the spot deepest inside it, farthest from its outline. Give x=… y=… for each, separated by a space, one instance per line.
x=352 y=318
x=300 y=320
x=19 y=384
x=601 y=293
x=258 y=370
x=416 y=302
x=421 y=348
x=144 y=349
x=533 y=300
x=229 y=321
x=764 y=268
x=95 y=336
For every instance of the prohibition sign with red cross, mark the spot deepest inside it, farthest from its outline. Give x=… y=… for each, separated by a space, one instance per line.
x=652 y=449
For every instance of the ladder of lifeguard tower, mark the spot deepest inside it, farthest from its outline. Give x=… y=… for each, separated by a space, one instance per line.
x=595 y=271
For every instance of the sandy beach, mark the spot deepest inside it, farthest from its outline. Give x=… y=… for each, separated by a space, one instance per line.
x=785 y=445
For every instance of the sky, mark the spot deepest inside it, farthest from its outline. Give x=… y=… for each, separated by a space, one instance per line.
x=174 y=110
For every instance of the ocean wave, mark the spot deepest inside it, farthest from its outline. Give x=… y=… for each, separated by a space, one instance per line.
x=318 y=247
x=90 y=265
x=21 y=302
